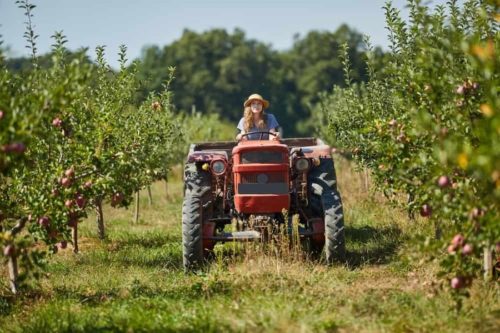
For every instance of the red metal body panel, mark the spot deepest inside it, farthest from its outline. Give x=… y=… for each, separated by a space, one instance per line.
x=261 y=203
x=246 y=173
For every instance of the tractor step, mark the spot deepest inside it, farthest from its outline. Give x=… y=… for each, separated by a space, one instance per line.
x=237 y=236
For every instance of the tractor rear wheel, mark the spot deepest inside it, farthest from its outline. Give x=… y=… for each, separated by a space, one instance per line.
x=325 y=201
x=197 y=190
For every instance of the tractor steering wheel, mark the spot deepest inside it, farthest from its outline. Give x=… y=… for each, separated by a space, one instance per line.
x=259 y=132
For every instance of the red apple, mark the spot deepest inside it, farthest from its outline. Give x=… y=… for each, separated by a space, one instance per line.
x=44 y=221
x=458 y=240
x=444 y=181
x=16 y=147
x=116 y=199
x=80 y=201
x=452 y=249
x=460 y=90
x=68 y=203
x=66 y=182
x=426 y=210
x=1 y=114
x=63 y=244
x=56 y=122
x=457 y=282
x=9 y=250
x=55 y=192
x=70 y=173
x=477 y=212
x=156 y=106
x=401 y=138
x=88 y=184
x=467 y=249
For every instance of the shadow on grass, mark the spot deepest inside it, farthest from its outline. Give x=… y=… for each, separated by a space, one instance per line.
x=169 y=256
x=147 y=240
x=195 y=287
x=367 y=245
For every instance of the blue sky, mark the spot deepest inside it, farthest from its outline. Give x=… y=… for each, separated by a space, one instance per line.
x=139 y=23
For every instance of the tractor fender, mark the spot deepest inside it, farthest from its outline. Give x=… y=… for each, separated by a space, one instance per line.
x=319 y=151
x=206 y=156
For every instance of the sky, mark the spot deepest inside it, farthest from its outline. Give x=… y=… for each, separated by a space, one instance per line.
x=89 y=23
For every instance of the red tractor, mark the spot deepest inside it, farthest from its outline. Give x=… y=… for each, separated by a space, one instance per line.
x=250 y=184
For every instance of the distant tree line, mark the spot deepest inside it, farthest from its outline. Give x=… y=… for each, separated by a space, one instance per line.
x=216 y=70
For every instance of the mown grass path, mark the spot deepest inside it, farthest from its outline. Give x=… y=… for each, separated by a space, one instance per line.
x=134 y=282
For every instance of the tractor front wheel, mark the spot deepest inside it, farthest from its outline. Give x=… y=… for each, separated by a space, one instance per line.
x=196 y=204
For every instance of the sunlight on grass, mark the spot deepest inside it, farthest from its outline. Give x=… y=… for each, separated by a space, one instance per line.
x=134 y=279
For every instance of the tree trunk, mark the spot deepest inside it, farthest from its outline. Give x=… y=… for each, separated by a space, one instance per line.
x=136 y=214
x=13 y=273
x=12 y=261
x=74 y=236
x=100 y=219
x=367 y=179
x=150 y=196
x=411 y=214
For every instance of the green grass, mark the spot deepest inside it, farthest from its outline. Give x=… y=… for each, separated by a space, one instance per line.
x=134 y=282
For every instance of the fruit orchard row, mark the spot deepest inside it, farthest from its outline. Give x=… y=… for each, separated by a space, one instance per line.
x=72 y=136
x=428 y=126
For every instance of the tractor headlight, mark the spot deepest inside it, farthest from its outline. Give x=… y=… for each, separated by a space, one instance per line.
x=302 y=164
x=218 y=167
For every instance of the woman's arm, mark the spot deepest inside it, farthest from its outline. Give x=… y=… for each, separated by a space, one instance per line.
x=274 y=137
x=238 y=136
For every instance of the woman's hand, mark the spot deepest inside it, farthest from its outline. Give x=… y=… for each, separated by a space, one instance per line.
x=274 y=137
x=238 y=137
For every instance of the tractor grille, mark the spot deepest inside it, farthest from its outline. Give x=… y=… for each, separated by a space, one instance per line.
x=262 y=157
x=263 y=183
x=253 y=178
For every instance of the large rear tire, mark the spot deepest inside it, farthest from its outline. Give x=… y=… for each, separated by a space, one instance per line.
x=197 y=188
x=325 y=201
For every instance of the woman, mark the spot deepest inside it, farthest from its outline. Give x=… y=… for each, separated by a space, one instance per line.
x=256 y=120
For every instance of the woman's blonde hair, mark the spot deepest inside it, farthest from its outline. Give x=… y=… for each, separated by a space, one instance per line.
x=248 y=119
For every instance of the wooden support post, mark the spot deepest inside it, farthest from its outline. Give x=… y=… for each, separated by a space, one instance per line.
x=367 y=179
x=100 y=219
x=136 y=214
x=150 y=196
x=74 y=236
x=166 y=186
x=488 y=263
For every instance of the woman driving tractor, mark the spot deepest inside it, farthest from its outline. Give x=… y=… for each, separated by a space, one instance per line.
x=255 y=120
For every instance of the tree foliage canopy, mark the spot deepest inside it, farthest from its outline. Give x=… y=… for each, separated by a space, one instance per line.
x=217 y=70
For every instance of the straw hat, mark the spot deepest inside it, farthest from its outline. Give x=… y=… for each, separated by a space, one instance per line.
x=256 y=97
